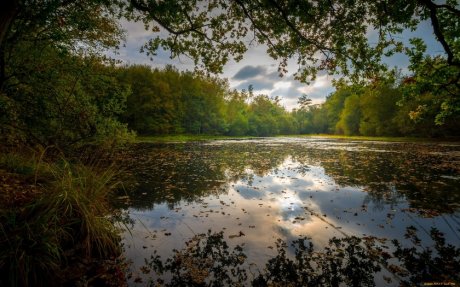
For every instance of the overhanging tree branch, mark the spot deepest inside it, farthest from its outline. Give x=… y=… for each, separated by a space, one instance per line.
x=448 y=7
x=432 y=7
x=256 y=27
x=150 y=10
x=296 y=30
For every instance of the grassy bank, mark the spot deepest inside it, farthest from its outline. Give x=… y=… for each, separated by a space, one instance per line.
x=191 y=138
x=362 y=138
x=54 y=220
x=369 y=138
x=184 y=138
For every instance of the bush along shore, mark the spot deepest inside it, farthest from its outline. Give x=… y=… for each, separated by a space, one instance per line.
x=56 y=227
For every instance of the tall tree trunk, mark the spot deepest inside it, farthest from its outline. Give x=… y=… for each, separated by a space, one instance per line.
x=8 y=11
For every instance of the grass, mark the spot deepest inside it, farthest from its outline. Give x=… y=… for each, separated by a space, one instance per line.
x=372 y=138
x=191 y=138
x=69 y=215
x=363 y=138
x=184 y=138
x=18 y=163
x=79 y=194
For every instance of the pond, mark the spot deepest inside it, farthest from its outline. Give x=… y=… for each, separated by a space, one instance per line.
x=262 y=193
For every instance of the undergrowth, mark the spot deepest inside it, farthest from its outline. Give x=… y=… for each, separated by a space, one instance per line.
x=66 y=217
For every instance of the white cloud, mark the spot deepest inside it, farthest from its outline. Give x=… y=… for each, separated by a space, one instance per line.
x=282 y=85
x=135 y=31
x=321 y=82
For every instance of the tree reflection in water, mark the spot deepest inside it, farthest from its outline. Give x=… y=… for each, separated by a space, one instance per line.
x=422 y=175
x=207 y=260
x=275 y=188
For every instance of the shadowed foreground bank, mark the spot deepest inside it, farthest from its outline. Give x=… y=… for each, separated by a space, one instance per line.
x=55 y=223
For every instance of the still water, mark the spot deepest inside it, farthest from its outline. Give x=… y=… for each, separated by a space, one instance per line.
x=257 y=191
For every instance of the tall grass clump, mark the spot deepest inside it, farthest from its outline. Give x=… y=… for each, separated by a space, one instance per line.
x=67 y=220
x=80 y=195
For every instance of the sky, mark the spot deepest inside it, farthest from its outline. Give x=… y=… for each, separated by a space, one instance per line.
x=257 y=68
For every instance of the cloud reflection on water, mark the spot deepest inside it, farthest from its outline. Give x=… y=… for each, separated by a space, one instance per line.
x=259 y=190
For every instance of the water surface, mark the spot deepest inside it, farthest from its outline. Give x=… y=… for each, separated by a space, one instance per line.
x=259 y=190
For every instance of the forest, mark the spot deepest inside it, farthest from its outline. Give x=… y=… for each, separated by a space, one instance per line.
x=150 y=102
x=59 y=88
x=68 y=109
x=172 y=102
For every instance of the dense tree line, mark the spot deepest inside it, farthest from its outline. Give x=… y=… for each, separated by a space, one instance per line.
x=78 y=98
x=171 y=102
x=383 y=107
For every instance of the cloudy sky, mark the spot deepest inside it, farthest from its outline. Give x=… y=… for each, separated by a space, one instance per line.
x=257 y=68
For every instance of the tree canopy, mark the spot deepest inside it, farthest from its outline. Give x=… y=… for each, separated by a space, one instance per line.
x=327 y=36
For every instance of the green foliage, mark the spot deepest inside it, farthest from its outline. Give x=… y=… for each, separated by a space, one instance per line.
x=67 y=25
x=168 y=101
x=56 y=88
x=436 y=86
x=384 y=107
x=171 y=102
x=236 y=113
x=203 y=102
x=149 y=106
x=319 y=120
x=378 y=107
x=73 y=98
x=320 y=35
x=79 y=194
x=239 y=125
x=18 y=163
x=334 y=104
x=263 y=115
x=350 y=116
